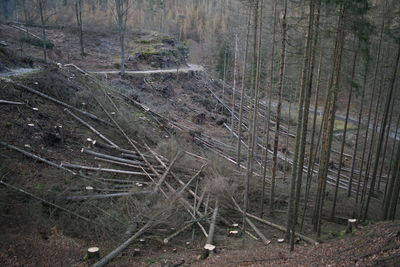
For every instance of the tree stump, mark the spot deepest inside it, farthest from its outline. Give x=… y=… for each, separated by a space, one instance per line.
x=351 y=223
x=93 y=253
x=233 y=233
x=206 y=251
x=136 y=252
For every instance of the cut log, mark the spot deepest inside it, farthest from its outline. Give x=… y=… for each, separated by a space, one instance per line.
x=210 y=239
x=181 y=230
x=103 y=196
x=28 y=154
x=276 y=226
x=45 y=201
x=123 y=164
x=162 y=178
x=18 y=85
x=90 y=128
x=80 y=167
x=259 y=233
x=2 y=102
x=123 y=246
x=101 y=155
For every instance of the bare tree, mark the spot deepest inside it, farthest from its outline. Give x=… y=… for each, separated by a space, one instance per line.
x=121 y=13
x=78 y=14
x=278 y=108
x=41 y=5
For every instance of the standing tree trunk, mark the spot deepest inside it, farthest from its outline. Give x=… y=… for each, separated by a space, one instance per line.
x=330 y=118
x=78 y=14
x=312 y=46
x=353 y=73
x=387 y=137
x=313 y=151
x=253 y=101
x=234 y=88
x=381 y=135
x=242 y=94
x=392 y=154
x=42 y=9
x=122 y=11
x=356 y=206
x=360 y=113
x=268 y=113
x=278 y=108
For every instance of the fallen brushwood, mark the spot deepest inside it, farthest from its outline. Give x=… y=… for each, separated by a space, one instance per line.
x=184 y=202
x=124 y=245
x=80 y=167
x=10 y=102
x=183 y=184
x=92 y=116
x=276 y=226
x=28 y=154
x=90 y=127
x=209 y=247
x=45 y=201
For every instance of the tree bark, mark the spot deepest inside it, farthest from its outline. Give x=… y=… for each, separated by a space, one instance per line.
x=278 y=108
x=78 y=14
x=353 y=73
x=382 y=132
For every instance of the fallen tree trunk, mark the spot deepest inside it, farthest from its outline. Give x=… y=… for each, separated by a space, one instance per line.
x=162 y=178
x=276 y=226
x=90 y=127
x=45 y=201
x=92 y=116
x=28 y=154
x=123 y=164
x=210 y=239
x=184 y=228
x=103 y=196
x=80 y=167
x=10 y=102
x=123 y=246
x=259 y=233
x=101 y=155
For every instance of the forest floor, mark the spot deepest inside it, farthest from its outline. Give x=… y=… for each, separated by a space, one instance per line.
x=35 y=235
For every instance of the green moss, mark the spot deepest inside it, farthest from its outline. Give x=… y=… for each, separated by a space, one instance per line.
x=150 y=51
